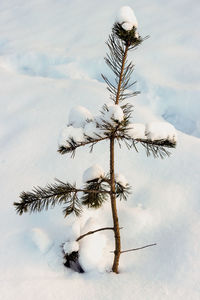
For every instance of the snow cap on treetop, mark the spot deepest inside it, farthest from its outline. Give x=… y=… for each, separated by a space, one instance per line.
x=92 y=173
x=79 y=116
x=127 y=18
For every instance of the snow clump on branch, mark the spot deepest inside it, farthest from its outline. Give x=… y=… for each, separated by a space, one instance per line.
x=79 y=116
x=70 y=247
x=93 y=173
x=114 y=114
x=161 y=131
x=120 y=179
x=153 y=131
x=126 y=18
x=70 y=132
x=136 y=131
x=92 y=131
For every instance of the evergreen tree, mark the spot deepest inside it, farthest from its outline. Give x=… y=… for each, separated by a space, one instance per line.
x=114 y=125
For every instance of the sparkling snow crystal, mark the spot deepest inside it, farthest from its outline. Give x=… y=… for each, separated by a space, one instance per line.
x=79 y=116
x=126 y=18
x=94 y=172
x=161 y=131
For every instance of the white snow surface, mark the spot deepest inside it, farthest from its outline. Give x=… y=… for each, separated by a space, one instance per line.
x=160 y=131
x=41 y=239
x=114 y=114
x=127 y=18
x=79 y=116
x=45 y=69
x=94 y=172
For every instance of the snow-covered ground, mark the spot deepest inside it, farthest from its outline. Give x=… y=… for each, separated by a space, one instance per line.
x=51 y=58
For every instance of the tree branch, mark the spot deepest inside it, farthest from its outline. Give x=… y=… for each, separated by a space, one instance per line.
x=161 y=142
x=74 y=145
x=135 y=249
x=157 y=147
x=93 y=231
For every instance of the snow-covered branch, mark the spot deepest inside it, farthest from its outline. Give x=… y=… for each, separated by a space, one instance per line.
x=156 y=148
x=93 y=194
x=72 y=144
x=155 y=137
x=43 y=198
x=58 y=193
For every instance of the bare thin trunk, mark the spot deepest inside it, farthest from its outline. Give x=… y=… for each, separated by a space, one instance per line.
x=117 y=251
x=114 y=210
x=121 y=74
x=93 y=231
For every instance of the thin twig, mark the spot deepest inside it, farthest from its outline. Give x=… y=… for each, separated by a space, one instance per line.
x=135 y=249
x=93 y=231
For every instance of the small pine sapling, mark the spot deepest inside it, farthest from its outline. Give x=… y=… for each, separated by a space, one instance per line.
x=113 y=125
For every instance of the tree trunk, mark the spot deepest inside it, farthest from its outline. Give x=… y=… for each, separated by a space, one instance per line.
x=114 y=210
x=121 y=74
x=117 y=251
